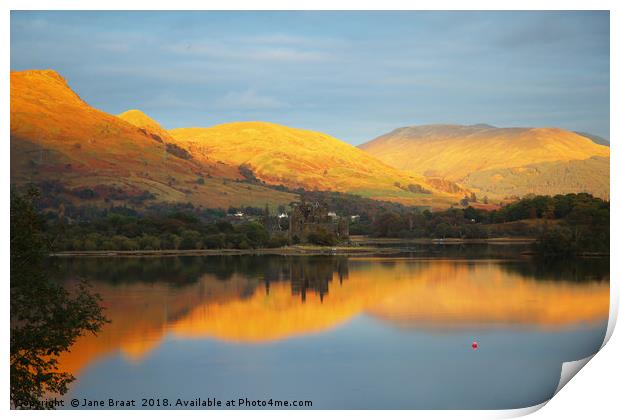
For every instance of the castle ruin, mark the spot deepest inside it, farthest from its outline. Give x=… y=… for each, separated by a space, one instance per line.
x=314 y=217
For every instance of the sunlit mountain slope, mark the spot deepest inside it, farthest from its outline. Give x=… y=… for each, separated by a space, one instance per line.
x=302 y=158
x=57 y=137
x=141 y=120
x=479 y=156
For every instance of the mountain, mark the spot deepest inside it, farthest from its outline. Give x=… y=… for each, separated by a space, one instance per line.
x=60 y=141
x=596 y=139
x=293 y=157
x=149 y=125
x=499 y=162
x=546 y=178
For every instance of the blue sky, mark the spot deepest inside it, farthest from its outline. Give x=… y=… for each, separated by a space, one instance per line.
x=353 y=75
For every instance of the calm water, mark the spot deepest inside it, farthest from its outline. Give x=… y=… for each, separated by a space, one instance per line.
x=343 y=332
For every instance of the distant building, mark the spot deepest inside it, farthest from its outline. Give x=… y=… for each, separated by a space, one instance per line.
x=307 y=218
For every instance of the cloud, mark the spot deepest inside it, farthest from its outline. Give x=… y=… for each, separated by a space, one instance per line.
x=114 y=47
x=239 y=50
x=278 y=39
x=286 y=54
x=170 y=100
x=334 y=69
x=281 y=39
x=543 y=30
x=248 y=99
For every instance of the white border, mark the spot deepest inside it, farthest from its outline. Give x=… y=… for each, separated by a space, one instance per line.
x=593 y=394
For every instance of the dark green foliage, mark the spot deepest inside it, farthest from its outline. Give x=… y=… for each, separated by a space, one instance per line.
x=190 y=239
x=256 y=234
x=585 y=229
x=349 y=205
x=247 y=172
x=175 y=231
x=322 y=237
x=568 y=224
x=389 y=224
x=557 y=241
x=541 y=206
x=416 y=188
x=85 y=193
x=586 y=215
x=278 y=241
x=45 y=318
x=178 y=151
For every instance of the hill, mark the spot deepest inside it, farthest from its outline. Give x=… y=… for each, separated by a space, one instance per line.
x=499 y=161
x=298 y=158
x=546 y=178
x=57 y=138
x=149 y=125
x=596 y=139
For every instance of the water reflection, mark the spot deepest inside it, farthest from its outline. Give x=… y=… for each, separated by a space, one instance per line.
x=244 y=299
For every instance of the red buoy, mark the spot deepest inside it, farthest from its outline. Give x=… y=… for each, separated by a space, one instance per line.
x=474 y=345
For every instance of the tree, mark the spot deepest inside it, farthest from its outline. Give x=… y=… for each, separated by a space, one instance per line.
x=389 y=224
x=556 y=241
x=322 y=237
x=46 y=319
x=149 y=242
x=442 y=230
x=190 y=239
x=256 y=234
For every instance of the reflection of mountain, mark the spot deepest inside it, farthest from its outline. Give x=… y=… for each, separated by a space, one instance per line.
x=274 y=298
x=144 y=298
x=453 y=295
x=140 y=312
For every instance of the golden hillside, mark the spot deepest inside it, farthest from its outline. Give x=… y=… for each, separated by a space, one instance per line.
x=56 y=136
x=141 y=120
x=460 y=153
x=546 y=178
x=308 y=159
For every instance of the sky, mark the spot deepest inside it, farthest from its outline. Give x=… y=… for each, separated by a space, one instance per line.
x=353 y=75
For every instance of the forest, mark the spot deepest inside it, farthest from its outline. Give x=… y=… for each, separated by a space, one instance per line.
x=562 y=224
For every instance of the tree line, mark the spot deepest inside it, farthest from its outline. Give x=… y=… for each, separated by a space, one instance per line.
x=175 y=231
x=563 y=224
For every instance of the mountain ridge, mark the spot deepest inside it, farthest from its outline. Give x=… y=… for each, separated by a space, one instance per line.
x=458 y=152
x=308 y=159
x=142 y=120
x=58 y=138
x=55 y=135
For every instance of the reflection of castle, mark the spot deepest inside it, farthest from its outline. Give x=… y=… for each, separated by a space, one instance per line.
x=312 y=275
x=308 y=218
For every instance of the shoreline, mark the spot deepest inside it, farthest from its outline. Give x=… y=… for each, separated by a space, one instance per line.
x=291 y=250
x=360 y=246
x=517 y=240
